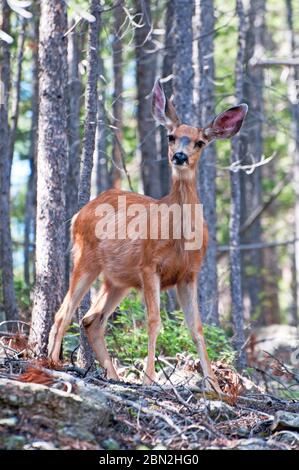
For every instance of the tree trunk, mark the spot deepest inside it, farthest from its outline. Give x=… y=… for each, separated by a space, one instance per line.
x=183 y=69
x=270 y=312
x=15 y=105
x=117 y=48
x=294 y=99
x=102 y=171
x=293 y=315
x=208 y=286
x=234 y=229
x=74 y=90
x=30 y=201
x=6 y=257
x=51 y=171
x=30 y=220
x=252 y=150
x=91 y=97
x=145 y=78
x=167 y=70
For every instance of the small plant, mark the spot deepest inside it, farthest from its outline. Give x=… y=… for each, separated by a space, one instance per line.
x=127 y=335
x=23 y=295
x=71 y=340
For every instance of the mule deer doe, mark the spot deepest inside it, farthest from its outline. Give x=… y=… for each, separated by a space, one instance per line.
x=145 y=264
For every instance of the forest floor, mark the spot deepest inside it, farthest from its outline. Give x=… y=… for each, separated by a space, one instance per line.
x=42 y=408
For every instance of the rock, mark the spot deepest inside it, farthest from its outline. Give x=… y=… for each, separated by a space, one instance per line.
x=9 y=422
x=242 y=432
x=278 y=340
x=76 y=433
x=159 y=447
x=87 y=410
x=73 y=415
x=263 y=427
x=221 y=411
x=253 y=444
x=285 y=420
x=40 y=445
x=289 y=437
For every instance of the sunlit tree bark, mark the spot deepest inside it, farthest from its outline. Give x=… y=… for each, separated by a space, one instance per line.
x=51 y=171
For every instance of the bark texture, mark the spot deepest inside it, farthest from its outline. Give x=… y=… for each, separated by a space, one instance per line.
x=270 y=308
x=117 y=48
x=74 y=103
x=51 y=171
x=91 y=98
x=6 y=258
x=252 y=150
x=183 y=68
x=145 y=78
x=103 y=181
x=294 y=98
x=15 y=105
x=235 y=215
x=167 y=71
x=30 y=202
x=208 y=289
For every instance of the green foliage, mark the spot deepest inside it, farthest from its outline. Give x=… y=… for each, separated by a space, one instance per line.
x=71 y=340
x=23 y=295
x=18 y=205
x=289 y=394
x=127 y=335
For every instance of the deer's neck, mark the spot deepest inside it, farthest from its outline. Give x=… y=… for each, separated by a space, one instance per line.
x=183 y=188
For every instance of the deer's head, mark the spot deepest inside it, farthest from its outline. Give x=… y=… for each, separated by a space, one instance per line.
x=186 y=143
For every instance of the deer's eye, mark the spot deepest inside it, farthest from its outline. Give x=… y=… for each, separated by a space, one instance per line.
x=199 y=143
x=171 y=138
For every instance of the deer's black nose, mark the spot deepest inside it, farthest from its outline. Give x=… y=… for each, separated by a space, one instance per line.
x=180 y=158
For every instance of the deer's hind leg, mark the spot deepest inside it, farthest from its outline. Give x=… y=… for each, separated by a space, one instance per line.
x=95 y=322
x=80 y=283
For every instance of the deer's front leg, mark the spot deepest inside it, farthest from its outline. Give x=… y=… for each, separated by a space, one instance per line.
x=151 y=291
x=187 y=296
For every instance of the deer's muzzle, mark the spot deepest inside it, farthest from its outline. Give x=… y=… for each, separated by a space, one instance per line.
x=180 y=158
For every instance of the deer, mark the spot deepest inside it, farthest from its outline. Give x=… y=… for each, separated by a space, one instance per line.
x=148 y=265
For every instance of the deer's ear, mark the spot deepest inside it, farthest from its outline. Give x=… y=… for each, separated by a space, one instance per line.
x=226 y=124
x=162 y=109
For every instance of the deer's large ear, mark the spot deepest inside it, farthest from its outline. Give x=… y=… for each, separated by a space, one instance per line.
x=226 y=124
x=162 y=109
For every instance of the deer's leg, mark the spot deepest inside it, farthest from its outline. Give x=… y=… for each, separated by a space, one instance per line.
x=187 y=296
x=151 y=291
x=79 y=285
x=95 y=322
